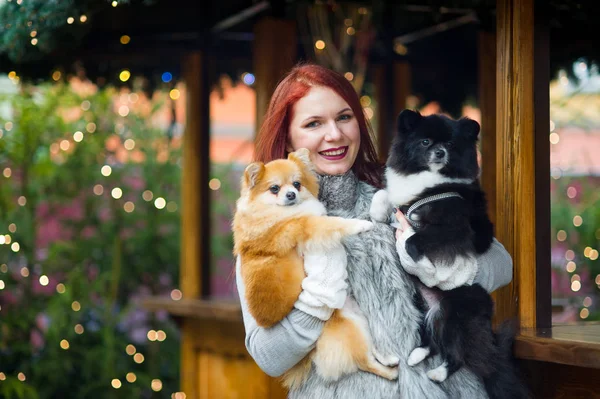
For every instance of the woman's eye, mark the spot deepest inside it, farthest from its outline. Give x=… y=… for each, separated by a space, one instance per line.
x=425 y=143
x=345 y=117
x=312 y=124
x=297 y=185
x=274 y=189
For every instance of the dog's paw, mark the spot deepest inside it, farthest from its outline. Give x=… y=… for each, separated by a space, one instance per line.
x=361 y=226
x=380 y=206
x=438 y=374
x=417 y=356
x=387 y=360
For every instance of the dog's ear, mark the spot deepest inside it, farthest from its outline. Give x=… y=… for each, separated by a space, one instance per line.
x=302 y=156
x=470 y=128
x=253 y=173
x=408 y=120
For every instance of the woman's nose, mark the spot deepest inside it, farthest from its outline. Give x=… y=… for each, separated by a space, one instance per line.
x=334 y=133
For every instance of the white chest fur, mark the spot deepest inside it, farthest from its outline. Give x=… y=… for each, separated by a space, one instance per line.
x=402 y=189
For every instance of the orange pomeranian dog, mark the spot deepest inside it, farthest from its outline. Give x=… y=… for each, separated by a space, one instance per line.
x=279 y=219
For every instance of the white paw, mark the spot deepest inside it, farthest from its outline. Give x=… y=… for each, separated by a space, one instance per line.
x=438 y=374
x=363 y=225
x=380 y=206
x=387 y=360
x=417 y=356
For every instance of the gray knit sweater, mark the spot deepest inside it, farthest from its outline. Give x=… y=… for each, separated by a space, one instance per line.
x=385 y=294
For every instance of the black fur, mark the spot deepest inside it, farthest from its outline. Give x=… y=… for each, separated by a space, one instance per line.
x=461 y=329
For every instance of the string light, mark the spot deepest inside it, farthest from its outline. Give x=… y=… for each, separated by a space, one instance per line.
x=130 y=350
x=124 y=75
x=585 y=312
x=138 y=358
x=34 y=41
x=129 y=206
x=554 y=138
x=7 y=172
x=90 y=127
x=575 y=286
x=98 y=189
x=70 y=20
x=21 y=377
x=161 y=335
x=151 y=335
x=176 y=295
x=571 y=266
x=561 y=235
x=2 y=284
x=56 y=75
x=77 y=136
x=365 y=101
x=320 y=45
x=214 y=184
x=64 y=344
x=147 y=195
x=569 y=255
x=178 y=395
x=15 y=247
x=8 y=125
x=116 y=383
x=7 y=239
x=156 y=385
x=83 y=18
x=24 y=272
x=85 y=105
x=129 y=144
x=174 y=94
x=64 y=145
x=2 y=376
x=594 y=254
x=78 y=329
x=76 y=306
x=171 y=206
x=131 y=377
x=125 y=39
x=166 y=77
x=106 y=170
x=116 y=193
x=349 y=75
x=123 y=110
x=160 y=203
x=22 y=200
x=4 y=268
x=44 y=280
x=587 y=302
x=577 y=221
x=60 y=288
x=350 y=31
x=114 y=4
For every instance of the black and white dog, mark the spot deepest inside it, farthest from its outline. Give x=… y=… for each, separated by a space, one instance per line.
x=432 y=177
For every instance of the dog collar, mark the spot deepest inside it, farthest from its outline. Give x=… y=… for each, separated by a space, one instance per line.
x=412 y=218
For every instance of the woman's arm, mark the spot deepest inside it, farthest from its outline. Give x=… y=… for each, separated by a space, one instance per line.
x=280 y=347
x=494 y=267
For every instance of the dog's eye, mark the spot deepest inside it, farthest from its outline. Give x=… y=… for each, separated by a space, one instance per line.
x=274 y=189
x=297 y=185
x=426 y=143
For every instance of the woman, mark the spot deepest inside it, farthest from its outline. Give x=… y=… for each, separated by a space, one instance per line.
x=316 y=108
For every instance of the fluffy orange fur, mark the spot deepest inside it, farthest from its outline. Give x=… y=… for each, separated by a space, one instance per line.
x=270 y=236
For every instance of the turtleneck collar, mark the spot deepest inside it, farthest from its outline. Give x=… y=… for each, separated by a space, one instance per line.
x=339 y=192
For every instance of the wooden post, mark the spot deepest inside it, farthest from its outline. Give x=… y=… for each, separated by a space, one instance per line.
x=274 y=52
x=392 y=88
x=487 y=106
x=522 y=160
x=194 y=207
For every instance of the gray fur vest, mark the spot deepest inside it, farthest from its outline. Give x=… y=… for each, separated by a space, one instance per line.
x=385 y=294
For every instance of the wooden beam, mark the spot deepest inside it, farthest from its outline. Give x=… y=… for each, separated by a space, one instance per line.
x=274 y=52
x=194 y=207
x=487 y=106
x=522 y=159
x=392 y=81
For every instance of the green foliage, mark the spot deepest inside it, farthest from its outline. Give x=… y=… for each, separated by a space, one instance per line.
x=84 y=259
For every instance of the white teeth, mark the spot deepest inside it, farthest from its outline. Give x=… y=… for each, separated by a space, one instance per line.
x=333 y=153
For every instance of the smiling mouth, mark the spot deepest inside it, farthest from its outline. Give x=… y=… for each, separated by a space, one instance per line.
x=335 y=153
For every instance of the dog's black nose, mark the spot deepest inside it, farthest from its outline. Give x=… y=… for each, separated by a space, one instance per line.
x=290 y=195
x=440 y=154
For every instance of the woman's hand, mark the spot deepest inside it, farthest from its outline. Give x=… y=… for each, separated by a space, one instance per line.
x=404 y=227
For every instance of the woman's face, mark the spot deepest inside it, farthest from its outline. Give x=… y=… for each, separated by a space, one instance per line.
x=325 y=124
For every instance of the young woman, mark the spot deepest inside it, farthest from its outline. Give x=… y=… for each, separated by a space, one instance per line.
x=316 y=108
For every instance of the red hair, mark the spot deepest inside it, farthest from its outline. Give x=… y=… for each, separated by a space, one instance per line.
x=272 y=138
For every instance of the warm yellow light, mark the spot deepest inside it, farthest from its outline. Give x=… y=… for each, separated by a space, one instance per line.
x=116 y=193
x=2 y=284
x=138 y=358
x=349 y=75
x=319 y=44
x=34 y=41
x=129 y=206
x=44 y=280
x=78 y=329
x=575 y=286
x=7 y=239
x=90 y=127
x=129 y=144
x=21 y=377
x=571 y=266
x=8 y=125
x=571 y=192
x=125 y=39
x=577 y=221
x=587 y=302
x=98 y=189
x=106 y=170
x=214 y=184
x=365 y=101
x=82 y=18
x=131 y=377
x=33 y=33
x=22 y=200
x=85 y=105
x=160 y=203
x=178 y=395
x=569 y=255
x=594 y=254
x=147 y=195
x=350 y=31
x=2 y=376
x=60 y=288
x=174 y=94
x=123 y=110
x=64 y=344
x=176 y=295
x=76 y=306
x=585 y=312
x=56 y=75
x=561 y=235
x=369 y=112
x=12 y=75
x=554 y=138
x=70 y=20
x=64 y=145
x=130 y=350
x=4 y=268
x=78 y=136
x=15 y=246
x=7 y=172
x=151 y=335
x=124 y=75
x=161 y=335
x=156 y=385
x=114 y=3
x=116 y=383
